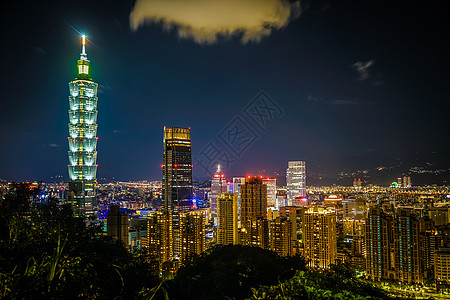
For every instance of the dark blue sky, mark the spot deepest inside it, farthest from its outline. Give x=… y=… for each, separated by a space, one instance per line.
x=397 y=103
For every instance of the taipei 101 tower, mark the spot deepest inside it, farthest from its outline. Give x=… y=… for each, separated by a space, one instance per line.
x=83 y=139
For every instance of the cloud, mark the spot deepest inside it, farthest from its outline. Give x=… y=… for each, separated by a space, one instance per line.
x=205 y=21
x=363 y=68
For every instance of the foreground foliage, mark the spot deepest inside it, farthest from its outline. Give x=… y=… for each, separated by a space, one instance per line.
x=336 y=283
x=48 y=253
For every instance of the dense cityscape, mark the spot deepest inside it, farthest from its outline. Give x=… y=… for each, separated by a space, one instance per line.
x=378 y=232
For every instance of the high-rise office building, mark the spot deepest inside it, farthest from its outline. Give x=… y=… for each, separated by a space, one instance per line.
x=177 y=170
x=319 y=237
x=159 y=240
x=271 y=190
x=296 y=182
x=118 y=224
x=192 y=234
x=227 y=219
x=218 y=185
x=281 y=241
x=83 y=138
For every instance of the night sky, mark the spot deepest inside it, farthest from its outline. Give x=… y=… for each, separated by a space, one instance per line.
x=340 y=79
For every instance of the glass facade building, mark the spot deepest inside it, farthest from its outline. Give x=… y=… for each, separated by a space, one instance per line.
x=177 y=169
x=296 y=182
x=83 y=139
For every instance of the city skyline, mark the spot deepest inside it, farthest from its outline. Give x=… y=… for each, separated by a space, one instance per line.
x=331 y=70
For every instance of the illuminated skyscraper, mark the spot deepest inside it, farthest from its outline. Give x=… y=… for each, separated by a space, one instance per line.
x=83 y=138
x=177 y=169
x=296 y=181
x=218 y=185
x=319 y=237
x=227 y=219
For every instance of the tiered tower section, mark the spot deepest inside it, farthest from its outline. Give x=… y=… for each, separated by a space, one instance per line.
x=83 y=138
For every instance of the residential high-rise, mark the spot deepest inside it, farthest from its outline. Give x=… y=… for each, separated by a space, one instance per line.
x=218 y=185
x=319 y=237
x=83 y=138
x=177 y=170
x=281 y=241
x=271 y=190
x=255 y=228
x=192 y=234
x=118 y=224
x=380 y=256
x=407 y=241
x=227 y=219
x=442 y=266
x=296 y=215
x=253 y=199
x=160 y=235
x=296 y=182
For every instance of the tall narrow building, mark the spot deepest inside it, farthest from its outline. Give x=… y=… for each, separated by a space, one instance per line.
x=83 y=138
x=227 y=219
x=255 y=227
x=177 y=169
x=296 y=182
x=218 y=185
x=271 y=190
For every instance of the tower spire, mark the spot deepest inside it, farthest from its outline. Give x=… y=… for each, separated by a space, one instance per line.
x=83 y=45
x=83 y=62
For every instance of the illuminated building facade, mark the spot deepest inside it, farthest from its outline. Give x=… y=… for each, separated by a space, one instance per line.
x=227 y=219
x=237 y=182
x=319 y=237
x=253 y=199
x=218 y=185
x=379 y=237
x=407 y=240
x=83 y=139
x=271 y=190
x=296 y=181
x=160 y=236
x=177 y=169
x=442 y=266
x=177 y=174
x=255 y=228
x=296 y=215
x=192 y=234
x=281 y=242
